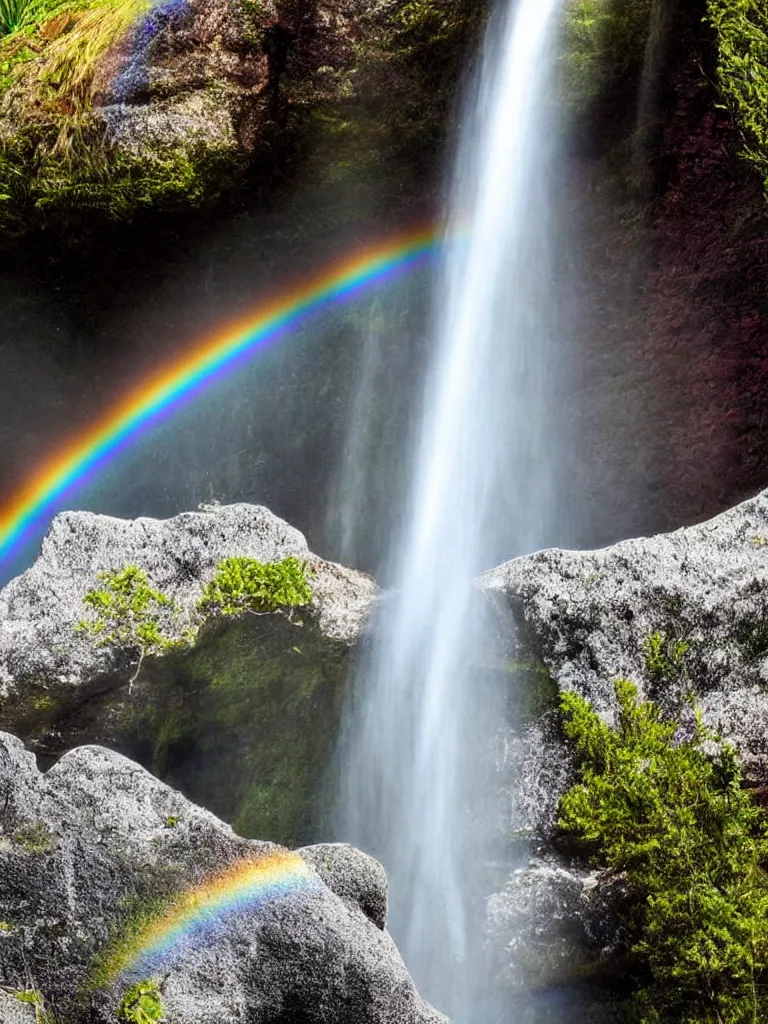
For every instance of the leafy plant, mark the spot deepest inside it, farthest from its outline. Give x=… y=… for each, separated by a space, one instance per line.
x=17 y=14
x=127 y=614
x=654 y=803
x=142 y=1004
x=742 y=70
x=244 y=585
x=664 y=655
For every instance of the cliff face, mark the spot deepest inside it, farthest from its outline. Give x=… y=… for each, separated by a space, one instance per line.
x=671 y=219
x=107 y=110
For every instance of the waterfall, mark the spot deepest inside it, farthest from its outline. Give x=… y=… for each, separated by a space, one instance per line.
x=420 y=721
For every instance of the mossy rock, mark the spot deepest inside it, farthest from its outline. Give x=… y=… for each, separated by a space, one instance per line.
x=245 y=722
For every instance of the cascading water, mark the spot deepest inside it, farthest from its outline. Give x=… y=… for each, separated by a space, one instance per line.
x=419 y=726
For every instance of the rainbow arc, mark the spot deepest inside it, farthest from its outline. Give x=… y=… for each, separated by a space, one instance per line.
x=178 y=382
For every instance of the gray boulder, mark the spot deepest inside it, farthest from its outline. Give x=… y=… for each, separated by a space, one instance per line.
x=679 y=612
x=588 y=615
x=244 y=720
x=40 y=609
x=96 y=840
x=354 y=877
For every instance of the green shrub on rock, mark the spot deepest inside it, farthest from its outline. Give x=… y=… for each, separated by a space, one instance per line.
x=127 y=615
x=663 y=803
x=245 y=585
x=142 y=1004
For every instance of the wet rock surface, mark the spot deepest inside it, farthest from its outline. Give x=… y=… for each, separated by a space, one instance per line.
x=88 y=845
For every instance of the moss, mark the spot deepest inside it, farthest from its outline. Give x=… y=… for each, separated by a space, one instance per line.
x=34 y=837
x=245 y=723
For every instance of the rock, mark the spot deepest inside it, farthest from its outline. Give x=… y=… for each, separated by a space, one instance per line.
x=174 y=101
x=582 y=619
x=244 y=720
x=553 y=924
x=354 y=877
x=12 y=1011
x=587 y=615
x=92 y=845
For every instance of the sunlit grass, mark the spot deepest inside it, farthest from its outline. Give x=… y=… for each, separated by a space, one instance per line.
x=70 y=60
x=18 y=14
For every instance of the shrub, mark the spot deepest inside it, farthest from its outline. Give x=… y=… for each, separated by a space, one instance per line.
x=141 y=1004
x=127 y=615
x=742 y=70
x=244 y=585
x=664 y=655
x=654 y=803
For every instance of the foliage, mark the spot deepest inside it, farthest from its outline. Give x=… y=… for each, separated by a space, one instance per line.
x=674 y=818
x=142 y=1004
x=127 y=615
x=18 y=14
x=664 y=655
x=127 y=611
x=604 y=41
x=56 y=161
x=70 y=59
x=245 y=585
x=742 y=70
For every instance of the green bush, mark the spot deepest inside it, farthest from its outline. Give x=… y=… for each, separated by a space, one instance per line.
x=665 y=806
x=141 y=1004
x=244 y=585
x=127 y=615
x=742 y=70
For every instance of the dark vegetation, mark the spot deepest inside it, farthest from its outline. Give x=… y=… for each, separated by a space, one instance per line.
x=664 y=806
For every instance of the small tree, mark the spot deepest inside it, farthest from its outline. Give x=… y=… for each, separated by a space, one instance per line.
x=127 y=614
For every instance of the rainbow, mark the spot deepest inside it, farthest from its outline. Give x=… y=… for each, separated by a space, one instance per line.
x=197 y=916
x=182 y=379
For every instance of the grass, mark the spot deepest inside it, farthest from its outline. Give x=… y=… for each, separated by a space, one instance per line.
x=18 y=14
x=71 y=59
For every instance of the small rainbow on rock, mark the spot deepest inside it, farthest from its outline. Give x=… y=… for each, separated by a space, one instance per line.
x=197 y=916
x=176 y=383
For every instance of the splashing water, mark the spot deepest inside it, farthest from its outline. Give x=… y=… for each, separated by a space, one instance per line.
x=421 y=719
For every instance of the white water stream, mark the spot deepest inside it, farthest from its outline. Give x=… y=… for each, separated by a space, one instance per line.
x=421 y=717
